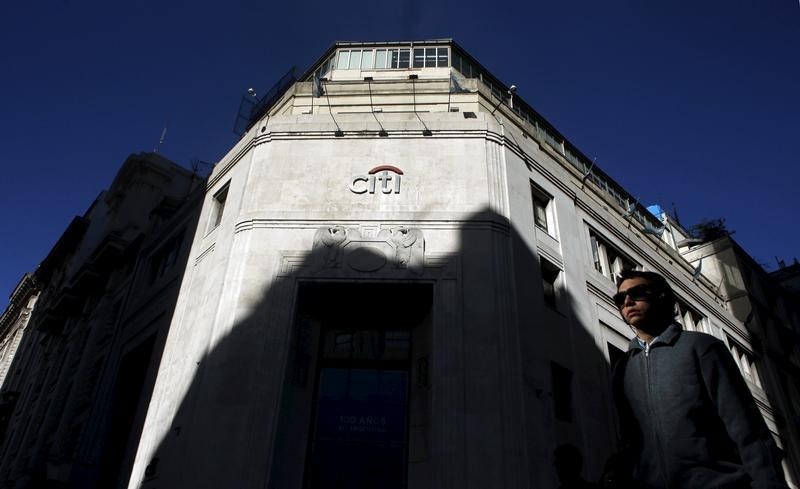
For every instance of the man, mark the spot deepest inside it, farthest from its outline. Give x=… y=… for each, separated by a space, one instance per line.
x=686 y=415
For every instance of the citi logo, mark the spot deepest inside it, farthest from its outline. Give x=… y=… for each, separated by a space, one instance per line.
x=383 y=177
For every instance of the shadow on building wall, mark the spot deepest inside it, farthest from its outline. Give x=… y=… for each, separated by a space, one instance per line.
x=355 y=365
x=84 y=371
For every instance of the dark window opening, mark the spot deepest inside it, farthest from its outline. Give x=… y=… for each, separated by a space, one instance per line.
x=550 y=275
x=165 y=258
x=219 y=206
x=562 y=391
x=541 y=206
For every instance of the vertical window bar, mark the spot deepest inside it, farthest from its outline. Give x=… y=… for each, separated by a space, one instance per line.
x=405 y=58
x=430 y=57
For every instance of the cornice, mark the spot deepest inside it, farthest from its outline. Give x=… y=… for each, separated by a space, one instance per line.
x=265 y=136
x=498 y=225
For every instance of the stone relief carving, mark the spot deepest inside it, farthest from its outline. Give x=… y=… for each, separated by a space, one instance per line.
x=327 y=241
x=409 y=251
x=335 y=245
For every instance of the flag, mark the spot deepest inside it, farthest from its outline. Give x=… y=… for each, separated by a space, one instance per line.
x=654 y=231
x=697 y=270
x=317 y=89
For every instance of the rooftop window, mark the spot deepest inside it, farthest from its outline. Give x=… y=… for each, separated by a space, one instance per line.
x=392 y=58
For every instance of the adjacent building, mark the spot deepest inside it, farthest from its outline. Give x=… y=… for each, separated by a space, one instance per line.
x=75 y=394
x=767 y=320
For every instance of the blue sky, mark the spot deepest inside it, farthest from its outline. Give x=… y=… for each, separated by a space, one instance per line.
x=691 y=102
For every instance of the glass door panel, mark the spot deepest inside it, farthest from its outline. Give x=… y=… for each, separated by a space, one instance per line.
x=359 y=438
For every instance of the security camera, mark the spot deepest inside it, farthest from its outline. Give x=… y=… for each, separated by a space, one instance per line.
x=252 y=92
x=512 y=89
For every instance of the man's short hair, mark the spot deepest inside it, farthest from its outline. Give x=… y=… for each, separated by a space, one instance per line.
x=663 y=296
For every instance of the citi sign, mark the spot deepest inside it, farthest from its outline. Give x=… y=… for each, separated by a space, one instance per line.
x=386 y=178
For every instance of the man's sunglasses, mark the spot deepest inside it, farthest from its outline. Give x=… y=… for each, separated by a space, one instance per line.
x=636 y=293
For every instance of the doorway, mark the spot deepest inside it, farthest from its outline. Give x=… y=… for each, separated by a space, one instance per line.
x=365 y=378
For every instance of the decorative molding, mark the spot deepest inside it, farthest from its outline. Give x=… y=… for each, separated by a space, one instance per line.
x=369 y=228
x=496 y=178
x=238 y=156
x=204 y=254
x=401 y=247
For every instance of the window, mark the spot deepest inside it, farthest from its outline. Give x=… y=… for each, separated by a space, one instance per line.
x=219 y=206
x=550 y=139
x=430 y=57
x=165 y=258
x=367 y=59
x=404 y=59
x=419 y=57
x=562 y=391
x=442 y=57
x=541 y=207
x=746 y=362
x=344 y=60
x=608 y=260
x=380 y=58
x=550 y=275
x=355 y=59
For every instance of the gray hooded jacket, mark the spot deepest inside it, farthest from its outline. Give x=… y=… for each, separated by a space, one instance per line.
x=688 y=418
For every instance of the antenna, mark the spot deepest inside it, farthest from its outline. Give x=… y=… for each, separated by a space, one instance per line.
x=162 y=138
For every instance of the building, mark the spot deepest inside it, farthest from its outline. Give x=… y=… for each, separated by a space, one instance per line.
x=402 y=277
x=767 y=344
x=76 y=391
x=14 y=321
x=13 y=324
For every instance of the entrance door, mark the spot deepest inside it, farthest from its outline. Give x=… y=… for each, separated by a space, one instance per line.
x=357 y=387
x=359 y=437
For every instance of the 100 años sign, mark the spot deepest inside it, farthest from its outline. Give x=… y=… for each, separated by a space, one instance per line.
x=385 y=178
